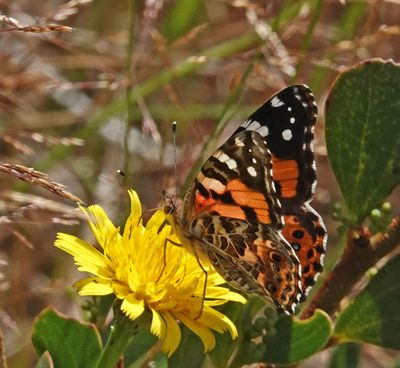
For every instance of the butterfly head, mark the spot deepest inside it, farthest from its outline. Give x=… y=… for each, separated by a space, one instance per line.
x=170 y=205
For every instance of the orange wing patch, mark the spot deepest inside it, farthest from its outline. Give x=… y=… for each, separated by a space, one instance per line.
x=241 y=194
x=308 y=243
x=286 y=172
x=244 y=196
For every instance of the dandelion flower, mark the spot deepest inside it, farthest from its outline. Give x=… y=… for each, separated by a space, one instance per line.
x=146 y=270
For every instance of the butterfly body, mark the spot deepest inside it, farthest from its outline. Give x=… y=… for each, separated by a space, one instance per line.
x=247 y=210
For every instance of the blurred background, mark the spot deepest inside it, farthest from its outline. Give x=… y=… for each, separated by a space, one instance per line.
x=79 y=104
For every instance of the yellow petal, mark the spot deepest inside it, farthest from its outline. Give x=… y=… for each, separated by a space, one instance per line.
x=132 y=307
x=102 y=227
x=158 y=326
x=219 y=292
x=88 y=258
x=133 y=228
x=94 y=286
x=136 y=208
x=218 y=321
x=205 y=334
x=173 y=336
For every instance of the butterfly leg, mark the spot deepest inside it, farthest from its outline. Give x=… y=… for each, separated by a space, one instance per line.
x=165 y=256
x=205 y=284
x=149 y=211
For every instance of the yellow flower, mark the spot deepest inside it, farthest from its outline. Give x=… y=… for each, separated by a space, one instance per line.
x=146 y=271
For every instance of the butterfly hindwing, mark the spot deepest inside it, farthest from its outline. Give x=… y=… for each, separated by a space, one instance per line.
x=253 y=258
x=306 y=233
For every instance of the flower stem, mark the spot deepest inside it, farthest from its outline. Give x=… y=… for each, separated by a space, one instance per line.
x=121 y=335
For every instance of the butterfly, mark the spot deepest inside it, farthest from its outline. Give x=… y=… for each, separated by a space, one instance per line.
x=248 y=210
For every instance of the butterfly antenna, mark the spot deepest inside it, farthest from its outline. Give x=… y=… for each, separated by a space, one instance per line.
x=175 y=162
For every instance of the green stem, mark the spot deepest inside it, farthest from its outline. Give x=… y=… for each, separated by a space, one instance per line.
x=118 y=340
x=121 y=335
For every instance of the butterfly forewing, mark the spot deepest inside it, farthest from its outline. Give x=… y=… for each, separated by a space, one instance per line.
x=236 y=182
x=286 y=123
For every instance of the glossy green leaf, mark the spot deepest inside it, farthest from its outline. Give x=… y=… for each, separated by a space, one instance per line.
x=373 y=316
x=345 y=356
x=295 y=340
x=363 y=133
x=70 y=343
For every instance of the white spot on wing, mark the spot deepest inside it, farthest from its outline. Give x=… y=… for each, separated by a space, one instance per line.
x=289 y=109
x=231 y=164
x=276 y=102
x=292 y=120
x=223 y=157
x=252 y=171
x=254 y=160
x=214 y=184
x=254 y=125
x=238 y=142
x=246 y=123
x=287 y=135
x=263 y=131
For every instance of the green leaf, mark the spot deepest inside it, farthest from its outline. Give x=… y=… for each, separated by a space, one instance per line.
x=363 y=133
x=345 y=356
x=296 y=339
x=69 y=342
x=373 y=316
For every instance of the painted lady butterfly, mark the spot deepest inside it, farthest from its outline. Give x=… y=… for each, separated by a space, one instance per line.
x=248 y=208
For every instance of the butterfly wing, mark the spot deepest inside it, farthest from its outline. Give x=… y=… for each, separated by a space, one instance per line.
x=286 y=123
x=306 y=233
x=256 y=259
x=233 y=212
x=236 y=182
x=251 y=198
